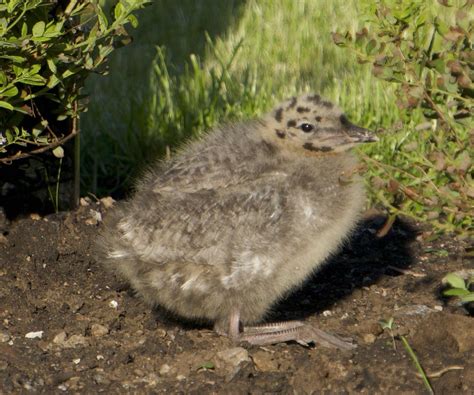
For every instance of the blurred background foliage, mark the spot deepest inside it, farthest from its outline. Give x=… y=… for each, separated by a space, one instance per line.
x=405 y=71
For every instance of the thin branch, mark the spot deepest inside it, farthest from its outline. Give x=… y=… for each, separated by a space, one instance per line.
x=8 y=160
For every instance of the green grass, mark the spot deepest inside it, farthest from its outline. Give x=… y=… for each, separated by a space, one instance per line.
x=194 y=64
x=184 y=73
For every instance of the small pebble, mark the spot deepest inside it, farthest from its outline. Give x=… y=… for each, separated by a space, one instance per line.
x=98 y=330
x=95 y=218
x=84 y=201
x=34 y=335
x=139 y=372
x=164 y=369
x=233 y=356
x=101 y=380
x=4 y=337
x=107 y=201
x=60 y=337
x=113 y=304
x=264 y=361
x=327 y=313
x=369 y=338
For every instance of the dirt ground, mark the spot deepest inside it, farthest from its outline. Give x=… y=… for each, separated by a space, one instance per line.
x=66 y=325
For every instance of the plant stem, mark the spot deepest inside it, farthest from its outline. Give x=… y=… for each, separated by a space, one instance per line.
x=417 y=364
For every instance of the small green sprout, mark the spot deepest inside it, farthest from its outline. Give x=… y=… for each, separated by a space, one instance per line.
x=207 y=366
x=389 y=326
x=459 y=287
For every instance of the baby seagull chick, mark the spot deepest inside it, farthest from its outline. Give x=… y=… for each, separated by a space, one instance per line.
x=241 y=217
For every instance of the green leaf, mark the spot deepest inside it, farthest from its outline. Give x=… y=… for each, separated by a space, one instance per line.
x=103 y=22
x=51 y=65
x=24 y=29
x=34 y=69
x=36 y=80
x=371 y=46
x=6 y=105
x=10 y=91
x=12 y=5
x=133 y=20
x=454 y=281
x=68 y=73
x=58 y=152
x=207 y=366
x=10 y=136
x=456 y=292
x=13 y=58
x=38 y=29
x=468 y=298
x=53 y=81
x=118 y=10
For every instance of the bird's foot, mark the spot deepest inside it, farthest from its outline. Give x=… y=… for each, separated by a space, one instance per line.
x=280 y=332
x=297 y=331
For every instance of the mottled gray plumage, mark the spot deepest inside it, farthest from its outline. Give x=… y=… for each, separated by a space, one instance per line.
x=241 y=216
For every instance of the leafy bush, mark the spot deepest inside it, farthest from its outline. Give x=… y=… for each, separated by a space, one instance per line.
x=47 y=50
x=426 y=50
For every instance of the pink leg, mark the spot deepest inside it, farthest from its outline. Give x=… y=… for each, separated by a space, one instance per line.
x=280 y=332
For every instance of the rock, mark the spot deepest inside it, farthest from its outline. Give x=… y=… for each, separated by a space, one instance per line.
x=369 y=338
x=34 y=335
x=327 y=313
x=461 y=329
x=233 y=356
x=73 y=341
x=151 y=379
x=95 y=217
x=98 y=330
x=139 y=372
x=417 y=309
x=60 y=338
x=101 y=379
x=76 y=340
x=264 y=361
x=4 y=337
x=84 y=201
x=164 y=369
x=107 y=202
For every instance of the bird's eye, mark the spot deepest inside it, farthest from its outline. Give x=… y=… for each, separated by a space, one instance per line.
x=306 y=127
x=344 y=121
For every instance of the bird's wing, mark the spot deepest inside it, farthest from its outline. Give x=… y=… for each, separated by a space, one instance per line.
x=203 y=226
x=210 y=166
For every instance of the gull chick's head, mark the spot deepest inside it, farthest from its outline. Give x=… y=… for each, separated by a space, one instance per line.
x=314 y=126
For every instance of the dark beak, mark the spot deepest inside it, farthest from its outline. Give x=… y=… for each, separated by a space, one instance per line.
x=361 y=135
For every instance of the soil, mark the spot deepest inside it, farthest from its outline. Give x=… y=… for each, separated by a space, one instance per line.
x=66 y=325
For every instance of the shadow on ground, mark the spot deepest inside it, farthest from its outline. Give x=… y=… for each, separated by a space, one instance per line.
x=359 y=264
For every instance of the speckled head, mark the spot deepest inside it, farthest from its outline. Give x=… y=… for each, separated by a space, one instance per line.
x=313 y=125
